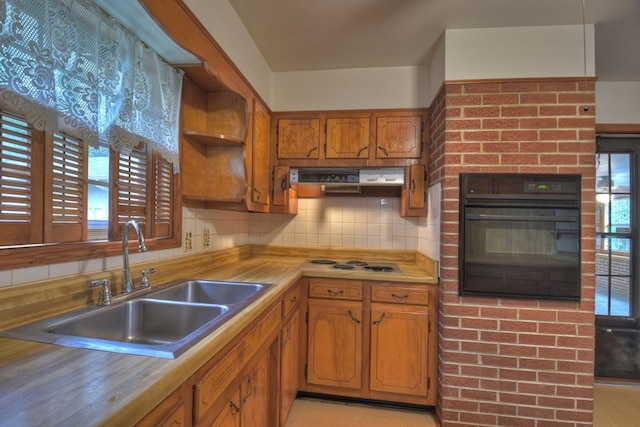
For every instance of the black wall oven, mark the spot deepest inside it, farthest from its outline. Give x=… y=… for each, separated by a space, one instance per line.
x=520 y=235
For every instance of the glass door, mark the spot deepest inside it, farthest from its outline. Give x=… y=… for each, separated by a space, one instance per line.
x=617 y=304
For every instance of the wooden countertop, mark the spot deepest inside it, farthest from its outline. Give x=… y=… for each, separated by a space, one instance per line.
x=43 y=384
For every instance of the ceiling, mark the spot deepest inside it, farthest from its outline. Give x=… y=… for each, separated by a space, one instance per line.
x=296 y=35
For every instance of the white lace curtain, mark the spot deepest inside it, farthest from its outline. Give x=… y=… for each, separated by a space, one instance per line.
x=65 y=64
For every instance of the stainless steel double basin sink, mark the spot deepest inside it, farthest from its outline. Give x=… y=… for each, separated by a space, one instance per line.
x=161 y=323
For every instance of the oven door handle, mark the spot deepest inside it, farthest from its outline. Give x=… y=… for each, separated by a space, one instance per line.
x=521 y=218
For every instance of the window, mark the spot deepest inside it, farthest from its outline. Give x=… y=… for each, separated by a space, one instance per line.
x=617 y=289
x=56 y=190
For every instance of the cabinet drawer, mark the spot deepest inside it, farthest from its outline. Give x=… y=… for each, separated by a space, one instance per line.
x=290 y=301
x=400 y=294
x=335 y=289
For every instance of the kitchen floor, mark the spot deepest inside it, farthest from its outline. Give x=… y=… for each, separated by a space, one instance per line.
x=308 y=412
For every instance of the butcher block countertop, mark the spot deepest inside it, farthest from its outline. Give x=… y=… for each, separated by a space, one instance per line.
x=44 y=384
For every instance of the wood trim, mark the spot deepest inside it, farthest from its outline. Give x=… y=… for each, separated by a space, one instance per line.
x=623 y=128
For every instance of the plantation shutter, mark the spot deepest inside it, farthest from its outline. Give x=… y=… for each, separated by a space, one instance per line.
x=131 y=186
x=20 y=182
x=66 y=189
x=163 y=197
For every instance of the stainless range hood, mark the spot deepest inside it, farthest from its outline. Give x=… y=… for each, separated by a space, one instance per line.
x=348 y=177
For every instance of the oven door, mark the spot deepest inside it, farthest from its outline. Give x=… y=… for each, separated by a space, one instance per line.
x=521 y=251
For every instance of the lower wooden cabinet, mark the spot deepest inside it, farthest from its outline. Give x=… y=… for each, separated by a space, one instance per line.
x=371 y=340
x=289 y=352
x=229 y=416
x=174 y=411
x=335 y=343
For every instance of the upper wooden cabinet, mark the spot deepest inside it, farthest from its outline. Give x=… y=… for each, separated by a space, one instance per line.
x=399 y=136
x=350 y=138
x=413 y=197
x=347 y=137
x=298 y=138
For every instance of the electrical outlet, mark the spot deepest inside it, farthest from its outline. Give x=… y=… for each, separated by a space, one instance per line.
x=206 y=240
x=188 y=241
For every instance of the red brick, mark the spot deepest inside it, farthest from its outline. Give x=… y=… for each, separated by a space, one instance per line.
x=538 y=98
x=522 y=398
x=482 y=88
x=497 y=408
x=536 y=389
x=585 y=416
x=537 y=339
x=463 y=334
x=517 y=350
x=464 y=147
x=537 y=364
x=518 y=375
x=479 y=347
x=481 y=112
x=459 y=381
x=479 y=324
x=558 y=86
x=498 y=312
x=463 y=124
x=500 y=123
x=481 y=159
x=463 y=405
x=478 y=419
x=498 y=385
x=538 y=147
x=558 y=110
x=479 y=395
x=479 y=371
x=519 y=111
x=557 y=353
x=481 y=135
x=538 y=123
x=520 y=86
x=557 y=402
x=464 y=310
x=575 y=122
x=579 y=98
x=576 y=342
x=518 y=159
x=557 y=378
x=543 y=315
x=568 y=391
x=505 y=421
x=535 y=412
x=499 y=361
x=519 y=135
x=456 y=100
x=500 y=99
x=557 y=328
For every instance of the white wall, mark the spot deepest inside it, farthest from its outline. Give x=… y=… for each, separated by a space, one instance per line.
x=549 y=51
x=618 y=102
x=224 y=24
x=362 y=88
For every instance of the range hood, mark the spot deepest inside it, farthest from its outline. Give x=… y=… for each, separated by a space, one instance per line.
x=347 y=177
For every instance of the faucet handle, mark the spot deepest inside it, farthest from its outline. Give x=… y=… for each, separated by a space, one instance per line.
x=145 y=277
x=105 y=292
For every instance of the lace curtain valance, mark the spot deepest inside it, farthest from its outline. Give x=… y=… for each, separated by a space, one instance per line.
x=65 y=64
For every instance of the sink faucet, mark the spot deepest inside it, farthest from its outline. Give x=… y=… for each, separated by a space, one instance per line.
x=127 y=285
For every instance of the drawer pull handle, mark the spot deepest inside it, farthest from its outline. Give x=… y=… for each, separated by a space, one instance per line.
x=335 y=293
x=400 y=297
x=293 y=300
x=250 y=382
x=353 y=317
x=234 y=408
x=311 y=151
x=377 y=322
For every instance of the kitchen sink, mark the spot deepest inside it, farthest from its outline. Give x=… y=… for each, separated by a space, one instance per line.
x=208 y=292
x=161 y=323
x=140 y=321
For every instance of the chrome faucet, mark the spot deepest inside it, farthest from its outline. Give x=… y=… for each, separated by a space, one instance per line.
x=127 y=285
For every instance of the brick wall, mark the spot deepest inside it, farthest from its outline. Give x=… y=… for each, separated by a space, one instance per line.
x=514 y=362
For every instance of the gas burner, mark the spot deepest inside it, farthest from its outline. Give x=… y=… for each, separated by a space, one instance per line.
x=378 y=268
x=344 y=266
x=324 y=261
x=357 y=263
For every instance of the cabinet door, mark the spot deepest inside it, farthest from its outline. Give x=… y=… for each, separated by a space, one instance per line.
x=230 y=414
x=298 y=138
x=289 y=365
x=255 y=395
x=347 y=138
x=174 y=411
x=399 y=137
x=260 y=158
x=284 y=198
x=335 y=343
x=413 y=200
x=399 y=349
